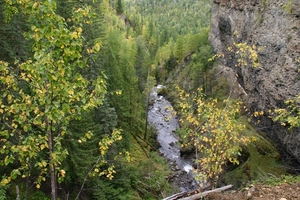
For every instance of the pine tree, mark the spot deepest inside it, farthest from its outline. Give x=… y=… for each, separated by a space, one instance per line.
x=120 y=7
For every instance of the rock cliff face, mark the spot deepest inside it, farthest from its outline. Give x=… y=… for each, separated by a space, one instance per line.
x=274 y=27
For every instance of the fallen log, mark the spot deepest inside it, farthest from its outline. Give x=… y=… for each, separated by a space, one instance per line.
x=187 y=193
x=199 y=195
x=176 y=196
x=196 y=194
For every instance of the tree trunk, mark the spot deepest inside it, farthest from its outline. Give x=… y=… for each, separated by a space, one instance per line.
x=146 y=121
x=18 y=192
x=27 y=186
x=53 y=182
x=51 y=164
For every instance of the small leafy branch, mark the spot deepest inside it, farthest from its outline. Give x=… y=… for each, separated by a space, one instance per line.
x=214 y=131
x=291 y=114
x=247 y=55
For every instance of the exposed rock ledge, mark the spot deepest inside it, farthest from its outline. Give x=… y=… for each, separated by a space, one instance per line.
x=266 y=24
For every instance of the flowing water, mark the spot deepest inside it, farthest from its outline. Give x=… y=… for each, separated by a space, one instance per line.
x=161 y=116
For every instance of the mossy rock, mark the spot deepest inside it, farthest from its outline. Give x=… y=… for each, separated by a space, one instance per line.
x=259 y=160
x=263 y=161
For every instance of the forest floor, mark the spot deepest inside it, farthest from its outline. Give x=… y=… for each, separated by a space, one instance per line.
x=260 y=192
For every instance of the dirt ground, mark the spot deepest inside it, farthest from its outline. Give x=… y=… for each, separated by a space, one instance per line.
x=260 y=192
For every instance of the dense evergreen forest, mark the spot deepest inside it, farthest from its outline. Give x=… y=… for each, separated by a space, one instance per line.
x=74 y=83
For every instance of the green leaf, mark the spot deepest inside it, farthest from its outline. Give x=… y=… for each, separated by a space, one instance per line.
x=14 y=173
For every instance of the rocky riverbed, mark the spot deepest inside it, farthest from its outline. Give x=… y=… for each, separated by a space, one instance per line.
x=162 y=117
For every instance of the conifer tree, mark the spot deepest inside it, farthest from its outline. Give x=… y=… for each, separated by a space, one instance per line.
x=120 y=7
x=179 y=49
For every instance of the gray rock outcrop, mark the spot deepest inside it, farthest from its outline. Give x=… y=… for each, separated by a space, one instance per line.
x=273 y=26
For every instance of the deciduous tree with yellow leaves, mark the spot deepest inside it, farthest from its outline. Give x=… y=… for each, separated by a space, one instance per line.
x=40 y=96
x=214 y=131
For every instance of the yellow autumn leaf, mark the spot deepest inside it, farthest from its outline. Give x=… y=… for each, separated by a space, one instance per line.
x=53 y=155
x=44 y=163
x=74 y=35
x=40 y=164
x=96 y=47
x=79 y=29
x=89 y=50
x=88 y=135
x=71 y=92
x=63 y=173
x=119 y=92
x=9 y=97
x=4 y=182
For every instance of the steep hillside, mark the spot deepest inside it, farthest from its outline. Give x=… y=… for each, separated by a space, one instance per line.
x=272 y=28
x=164 y=19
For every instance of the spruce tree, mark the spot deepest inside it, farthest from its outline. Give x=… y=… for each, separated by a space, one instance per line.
x=120 y=7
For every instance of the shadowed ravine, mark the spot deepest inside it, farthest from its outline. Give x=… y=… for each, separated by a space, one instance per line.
x=163 y=119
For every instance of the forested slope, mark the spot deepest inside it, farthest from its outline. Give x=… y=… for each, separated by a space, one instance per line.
x=185 y=61
x=77 y=74
x=161 y=20
x=74 y=81
x=68 y=68
x=174 y=31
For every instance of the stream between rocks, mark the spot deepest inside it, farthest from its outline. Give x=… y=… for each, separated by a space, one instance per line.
x=161 y=117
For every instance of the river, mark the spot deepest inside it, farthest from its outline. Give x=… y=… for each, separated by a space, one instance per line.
x=161 y=116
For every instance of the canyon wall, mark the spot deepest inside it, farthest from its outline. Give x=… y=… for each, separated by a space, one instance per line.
x=273 y=28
